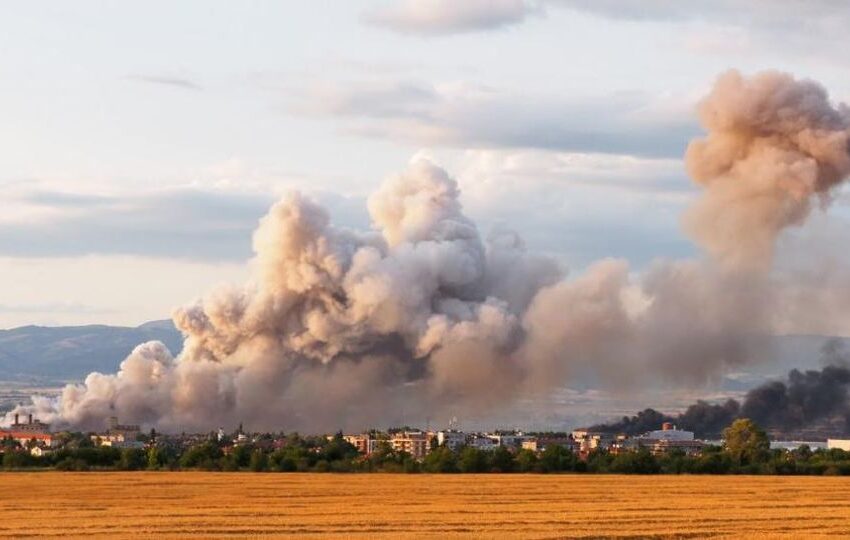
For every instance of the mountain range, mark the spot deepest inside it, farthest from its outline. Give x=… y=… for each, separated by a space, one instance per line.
x=58 y=353
x=42 y=354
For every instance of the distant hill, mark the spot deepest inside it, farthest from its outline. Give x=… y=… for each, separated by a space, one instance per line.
x=42 y=353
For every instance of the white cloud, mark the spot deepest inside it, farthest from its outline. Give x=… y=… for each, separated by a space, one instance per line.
x=469 y=116
x=197 y=222
x=813 y=29
x=125 y=290
x=442 y=17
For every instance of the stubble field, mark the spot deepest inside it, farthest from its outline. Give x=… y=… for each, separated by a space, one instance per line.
x=208 y=505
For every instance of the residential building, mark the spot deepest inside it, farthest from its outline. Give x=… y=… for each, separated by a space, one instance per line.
x=414 y=443
x=365 y=443
x=452 y=439
x=482 y=442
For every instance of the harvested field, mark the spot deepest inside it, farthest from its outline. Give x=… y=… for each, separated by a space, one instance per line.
x=208 y=505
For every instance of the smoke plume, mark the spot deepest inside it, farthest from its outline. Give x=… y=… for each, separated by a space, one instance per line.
x=422 y=317
x=812 y=399
x=774 y=146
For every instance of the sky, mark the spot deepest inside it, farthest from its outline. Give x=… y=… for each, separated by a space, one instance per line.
x=141 y=142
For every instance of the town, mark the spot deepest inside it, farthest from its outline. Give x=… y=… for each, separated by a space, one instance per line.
x=746 y=448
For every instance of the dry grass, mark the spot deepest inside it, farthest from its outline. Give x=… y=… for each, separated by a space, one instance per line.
x=208 y=505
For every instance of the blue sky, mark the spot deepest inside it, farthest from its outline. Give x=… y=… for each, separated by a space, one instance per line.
x=140 y=143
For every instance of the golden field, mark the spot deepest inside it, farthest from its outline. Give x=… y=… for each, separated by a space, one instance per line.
x=206 y=505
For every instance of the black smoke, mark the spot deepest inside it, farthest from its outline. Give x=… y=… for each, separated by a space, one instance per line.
x=806 y=400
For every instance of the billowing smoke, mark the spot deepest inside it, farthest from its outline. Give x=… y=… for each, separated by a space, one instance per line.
x=811 y=399
x=806 y=398
x=424 y=318
x=775 y=145
x=706 y=420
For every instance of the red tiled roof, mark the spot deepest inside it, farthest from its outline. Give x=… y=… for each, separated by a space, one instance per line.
x=25 y=435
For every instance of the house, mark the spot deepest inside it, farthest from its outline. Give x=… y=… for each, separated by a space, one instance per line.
x=41 y=451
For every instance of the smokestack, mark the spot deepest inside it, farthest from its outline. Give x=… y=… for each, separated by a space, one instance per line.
x=29 y=418
x=17 y=417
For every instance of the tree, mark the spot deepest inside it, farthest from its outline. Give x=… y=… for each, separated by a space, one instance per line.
x=526 y=461
x=472 y=460
x=556 y=458
x=202 y=456
x=241 y=455
x=153 y=458
x=639 y=462
x=259 y=461
x=746 y=443
x=132 y=459
x=441 y=460
x=502 y=460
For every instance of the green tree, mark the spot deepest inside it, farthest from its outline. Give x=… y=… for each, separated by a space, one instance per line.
x=17 y=460
x=502 y=460
x=132 y=459
x=557 y=458
x=153 y=458
x=640 y=462
x=241 y=455
x=441 y=460
x=472 y=460
x=526 y=461
x=203 y=456
x=746 y=443
x=259 y=462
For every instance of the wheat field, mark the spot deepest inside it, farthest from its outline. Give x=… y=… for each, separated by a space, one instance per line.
x=207 y=505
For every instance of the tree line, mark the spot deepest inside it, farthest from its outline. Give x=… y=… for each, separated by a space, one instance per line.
x=746 y=451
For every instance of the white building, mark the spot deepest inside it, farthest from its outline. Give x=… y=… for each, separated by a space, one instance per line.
x=668 y=432
x=452 y=439
x=511 y=440
x=482 y=442
x=840 y=444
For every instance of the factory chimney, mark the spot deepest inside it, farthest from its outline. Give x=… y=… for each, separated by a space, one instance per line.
x=16 y=418
x=29 y=418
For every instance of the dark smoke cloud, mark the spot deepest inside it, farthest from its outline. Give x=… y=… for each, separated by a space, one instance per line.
x=806 y=399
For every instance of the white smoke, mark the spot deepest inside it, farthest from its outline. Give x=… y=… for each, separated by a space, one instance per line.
x=341 y=328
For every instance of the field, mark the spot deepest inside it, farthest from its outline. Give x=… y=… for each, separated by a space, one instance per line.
x=377 y=505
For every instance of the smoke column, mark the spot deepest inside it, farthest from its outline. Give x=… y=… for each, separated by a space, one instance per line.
x=423 y=317
x=774 y=146
x=812 y=398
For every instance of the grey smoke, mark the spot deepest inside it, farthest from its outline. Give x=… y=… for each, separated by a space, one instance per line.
x=423 y=317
